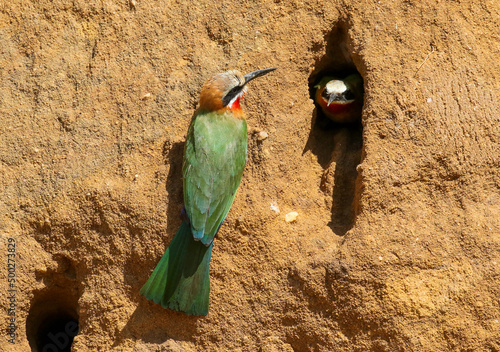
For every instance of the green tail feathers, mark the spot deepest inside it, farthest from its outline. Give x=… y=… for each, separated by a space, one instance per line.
x=181 y=280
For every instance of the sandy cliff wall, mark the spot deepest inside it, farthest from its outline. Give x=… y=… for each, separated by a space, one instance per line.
x=400 y=253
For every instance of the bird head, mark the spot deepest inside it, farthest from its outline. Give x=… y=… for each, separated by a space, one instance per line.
x=336 y=90
x=341 y=91
x=341 y=100
x=223 y=91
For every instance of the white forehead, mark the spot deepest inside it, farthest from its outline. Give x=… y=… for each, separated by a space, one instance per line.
x=336 y=86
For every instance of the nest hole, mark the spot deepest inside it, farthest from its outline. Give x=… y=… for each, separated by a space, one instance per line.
x=338 y=145
x=52 y=321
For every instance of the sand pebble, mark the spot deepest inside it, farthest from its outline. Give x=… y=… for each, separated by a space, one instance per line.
x=291 y=217
x=262 y=135
x=275 y=208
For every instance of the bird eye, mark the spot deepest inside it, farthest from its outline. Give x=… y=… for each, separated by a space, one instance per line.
x=325 y=95
x=349 y=95
x=231 y=94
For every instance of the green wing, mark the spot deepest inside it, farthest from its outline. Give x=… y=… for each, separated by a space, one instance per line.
x=214 y=159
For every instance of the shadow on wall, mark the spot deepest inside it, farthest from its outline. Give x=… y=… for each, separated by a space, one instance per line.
x=336 y=136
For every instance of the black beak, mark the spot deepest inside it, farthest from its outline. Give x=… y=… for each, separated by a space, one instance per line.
x=249 y=76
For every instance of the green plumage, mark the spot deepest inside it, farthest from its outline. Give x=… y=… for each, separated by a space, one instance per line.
x=181 y=279
x=214 y=159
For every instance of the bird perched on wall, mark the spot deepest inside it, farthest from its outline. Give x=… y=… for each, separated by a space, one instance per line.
x=341 y=99
x=214 y=159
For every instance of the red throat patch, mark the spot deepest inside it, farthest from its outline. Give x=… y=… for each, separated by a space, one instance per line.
x=236 y=104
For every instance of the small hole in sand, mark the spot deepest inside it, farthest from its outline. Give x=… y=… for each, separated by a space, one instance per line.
x=337 y=132
x=52 y=321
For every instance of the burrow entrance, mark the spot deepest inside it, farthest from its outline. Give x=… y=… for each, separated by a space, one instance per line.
x=52 y=321
x=338 y=145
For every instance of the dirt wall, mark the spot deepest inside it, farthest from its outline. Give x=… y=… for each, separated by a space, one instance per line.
x=397 y=243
